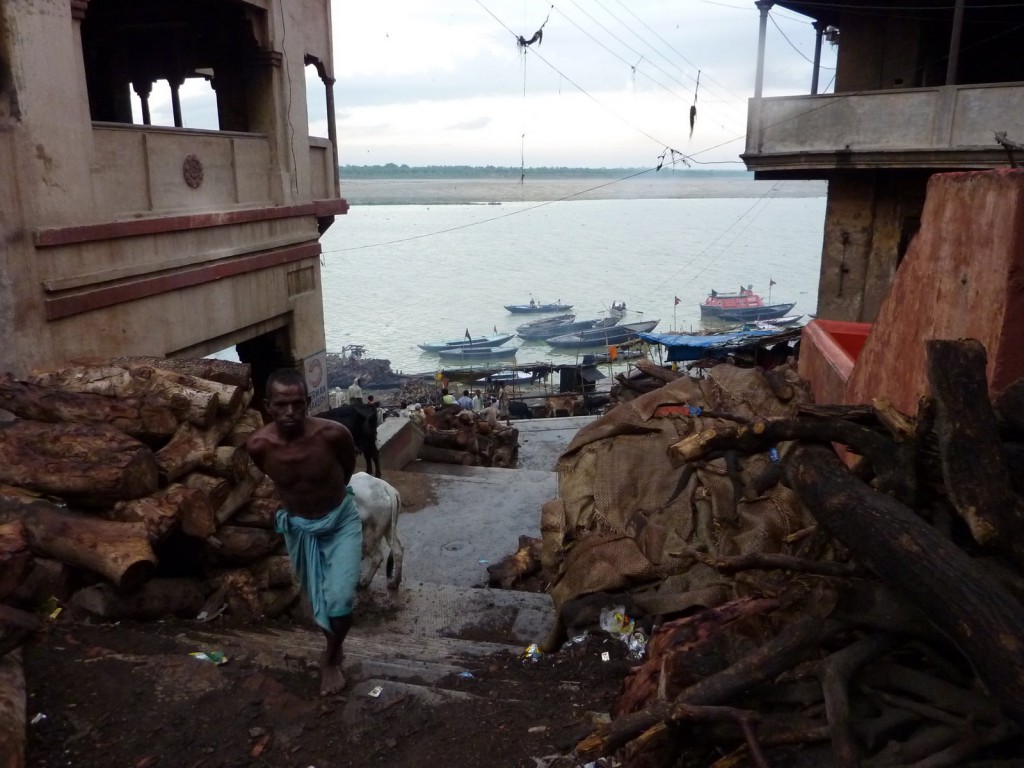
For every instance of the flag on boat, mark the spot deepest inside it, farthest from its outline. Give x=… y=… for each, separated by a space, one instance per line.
x=677 y=301
x=468 y=337
x=771 y=282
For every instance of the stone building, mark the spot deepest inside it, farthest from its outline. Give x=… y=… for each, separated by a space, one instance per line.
x=921 y=87
x=121 y=236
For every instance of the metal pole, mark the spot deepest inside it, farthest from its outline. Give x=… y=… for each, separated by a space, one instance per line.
x=954 y=43
x=819 y=29
x=763 y=6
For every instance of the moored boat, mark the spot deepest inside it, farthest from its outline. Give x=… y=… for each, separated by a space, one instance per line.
x=541 y=322
x=536 y=308
x=544 y=332
x=602 y=337
x=467 y=341
x=478 y=353
x=743 y=307
x=779 y=322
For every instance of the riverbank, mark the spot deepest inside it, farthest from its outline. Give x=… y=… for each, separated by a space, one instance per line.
x=662 y=185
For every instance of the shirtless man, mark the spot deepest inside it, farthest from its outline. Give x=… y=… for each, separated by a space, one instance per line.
x=311 y=462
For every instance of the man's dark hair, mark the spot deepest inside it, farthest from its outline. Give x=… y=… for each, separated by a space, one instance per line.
x=465 y=393
x=288 y=377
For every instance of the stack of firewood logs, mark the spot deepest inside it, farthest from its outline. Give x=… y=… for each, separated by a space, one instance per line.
x=905 y=649
x=125 y=491
x=458 y=436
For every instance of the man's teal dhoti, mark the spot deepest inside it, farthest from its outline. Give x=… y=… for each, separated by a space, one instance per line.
x=325 y=555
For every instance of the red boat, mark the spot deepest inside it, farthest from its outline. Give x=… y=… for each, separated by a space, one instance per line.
x=743 y=307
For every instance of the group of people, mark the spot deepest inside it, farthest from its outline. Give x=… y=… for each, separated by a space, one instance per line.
x=475 y=402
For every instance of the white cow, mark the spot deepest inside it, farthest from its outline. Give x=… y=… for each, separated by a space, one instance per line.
x=378 y=503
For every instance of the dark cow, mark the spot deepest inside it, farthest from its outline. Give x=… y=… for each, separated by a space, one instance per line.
x=519 y=410
x=361 y=421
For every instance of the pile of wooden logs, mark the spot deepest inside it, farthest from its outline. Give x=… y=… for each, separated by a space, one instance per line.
x=458 y=436
x=128 y=483
x=905 y=649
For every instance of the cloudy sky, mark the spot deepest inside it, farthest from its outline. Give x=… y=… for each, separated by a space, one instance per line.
x=610 y=84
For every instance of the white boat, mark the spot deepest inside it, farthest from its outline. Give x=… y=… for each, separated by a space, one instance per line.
x=468 y=341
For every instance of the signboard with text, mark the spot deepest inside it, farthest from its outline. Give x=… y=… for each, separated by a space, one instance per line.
x=314 y=368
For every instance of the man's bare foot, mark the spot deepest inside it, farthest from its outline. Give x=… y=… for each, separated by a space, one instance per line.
x=331 y=680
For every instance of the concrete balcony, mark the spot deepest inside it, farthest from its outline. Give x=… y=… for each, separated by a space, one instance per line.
x=949 y=127
x=139 y=171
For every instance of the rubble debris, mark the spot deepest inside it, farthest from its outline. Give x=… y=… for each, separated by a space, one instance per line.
x=807 y=609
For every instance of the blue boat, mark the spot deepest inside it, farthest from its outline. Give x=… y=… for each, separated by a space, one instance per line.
x=478 y=353
x=534 y=308
x=603 y=337
x=467 y=341
x=545 y=332
x=541 y=322
x=693 y=346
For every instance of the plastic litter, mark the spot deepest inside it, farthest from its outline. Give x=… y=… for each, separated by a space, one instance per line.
x=216 y=657
x=532 y=652
x=375 y=691
x=773 y=455
x=579 y=639
x=466 y=674
x=636 y=644
x=605 y=656
x=51 y=607
x=38 y=718
x=616 y=622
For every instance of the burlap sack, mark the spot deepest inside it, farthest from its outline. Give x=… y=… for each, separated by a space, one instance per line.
x=621 y=522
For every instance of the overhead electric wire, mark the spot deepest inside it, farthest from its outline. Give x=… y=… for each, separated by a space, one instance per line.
x=800 y=53
x=677 y=53
x=627 y=45
x=832 y=101
x=492 y=218
x=573 y=83
x=634 y=67
x=719 y=98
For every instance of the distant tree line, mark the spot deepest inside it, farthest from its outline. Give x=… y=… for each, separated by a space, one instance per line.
x=395 y=171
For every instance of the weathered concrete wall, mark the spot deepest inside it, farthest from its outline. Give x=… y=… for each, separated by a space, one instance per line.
x=963 y=277
x=213 y=263
x=865 y=218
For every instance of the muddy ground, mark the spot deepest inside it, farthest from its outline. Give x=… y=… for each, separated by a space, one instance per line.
x=131 y=696
x=128 y=694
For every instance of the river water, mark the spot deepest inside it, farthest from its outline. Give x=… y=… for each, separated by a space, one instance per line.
x=395 y=275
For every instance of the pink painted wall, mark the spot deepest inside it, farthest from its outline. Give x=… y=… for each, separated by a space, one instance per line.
x=962 y=277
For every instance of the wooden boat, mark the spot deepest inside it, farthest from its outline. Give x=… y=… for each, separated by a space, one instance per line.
x=779 y=322
x=545 y=332
x=507 y=376
x=535 y=308
x=468 y=341
x=478 y=353
x=541 y=322
x=603 y=337
x=743 y=307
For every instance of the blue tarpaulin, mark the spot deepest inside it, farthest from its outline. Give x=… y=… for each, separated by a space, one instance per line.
x=683 y=346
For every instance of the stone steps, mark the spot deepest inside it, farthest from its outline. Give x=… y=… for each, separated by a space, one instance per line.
x=405 y=646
